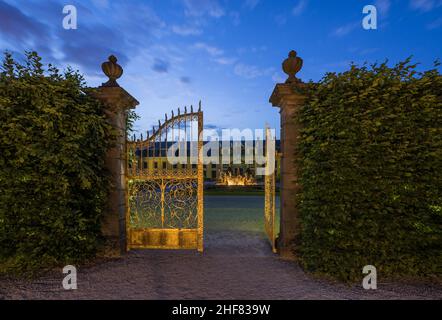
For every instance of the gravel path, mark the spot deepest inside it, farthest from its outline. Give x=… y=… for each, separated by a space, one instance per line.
x=237 y=264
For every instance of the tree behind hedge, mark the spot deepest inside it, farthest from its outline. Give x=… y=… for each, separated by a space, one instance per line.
x=53 y=184
x=371 y=164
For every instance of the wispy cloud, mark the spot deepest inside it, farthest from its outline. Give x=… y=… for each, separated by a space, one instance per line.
x=211 y=50
x=224 y=60
x=345 y=29
x=250 y=71
x=278 y=77
x=19 y=29
x=383 y=6
x=184 y=30
x=280 y=19
x=425 y=5
x=185 y=80
x=363 y=51
x=258 y=49
x=160 y=66
x=215 y=54
x=300 y=7
x=36 y=25
x=198 y=8
x=236 y=20
x=435 y=24
x=97 y=39
x=102 y=4
x=251 y=4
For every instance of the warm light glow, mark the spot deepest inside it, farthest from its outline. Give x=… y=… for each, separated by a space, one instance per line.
x=227 y=179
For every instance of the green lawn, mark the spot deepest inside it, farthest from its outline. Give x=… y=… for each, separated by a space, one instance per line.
x=241 y=213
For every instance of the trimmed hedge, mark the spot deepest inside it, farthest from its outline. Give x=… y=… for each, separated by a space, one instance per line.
x=53 y=185
x=370 y=169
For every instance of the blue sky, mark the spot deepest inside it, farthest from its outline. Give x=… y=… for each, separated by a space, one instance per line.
x=226 y=53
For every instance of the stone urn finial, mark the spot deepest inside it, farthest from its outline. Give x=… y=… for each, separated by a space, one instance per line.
x=291 y=66
x=113 y=71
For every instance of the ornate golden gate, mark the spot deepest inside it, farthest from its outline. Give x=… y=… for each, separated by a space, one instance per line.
x=165 y=198
x=269 y=182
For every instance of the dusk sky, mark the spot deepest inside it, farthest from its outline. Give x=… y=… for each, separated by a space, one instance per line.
x=226 y=53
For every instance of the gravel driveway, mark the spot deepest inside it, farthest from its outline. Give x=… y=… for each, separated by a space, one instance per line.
x=237 y=264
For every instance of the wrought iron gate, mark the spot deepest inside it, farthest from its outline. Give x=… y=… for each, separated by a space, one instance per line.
x=269 y=183
x=165 y=198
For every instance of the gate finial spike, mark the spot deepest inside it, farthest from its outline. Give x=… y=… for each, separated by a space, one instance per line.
x=134 y=137
x=172 y=113
x=165 y=116
x=147 y=134
x=199 y=106
x=159 y=124
x=191 y=108
x=185 y=109
x=178 y=110
x=141 y=137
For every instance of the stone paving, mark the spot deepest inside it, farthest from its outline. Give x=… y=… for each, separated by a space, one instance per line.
x=236 y=264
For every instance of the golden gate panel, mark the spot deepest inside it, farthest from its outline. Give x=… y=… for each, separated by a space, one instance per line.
x=165 y=199
x=269 y=185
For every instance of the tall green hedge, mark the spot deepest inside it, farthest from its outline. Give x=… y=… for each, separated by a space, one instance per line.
x=53 y=184
x=371 y=172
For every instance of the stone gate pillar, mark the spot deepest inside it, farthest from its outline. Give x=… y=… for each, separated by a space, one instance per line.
x=117 y=102
x=286 y=98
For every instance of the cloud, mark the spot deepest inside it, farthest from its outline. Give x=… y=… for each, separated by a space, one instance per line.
x=211 y=50
x=425 y=5
x=300 y=7
x=186 y=30
x=224 y=60
x=235 y=18
x=102 y=4
x=364 y=51
x=185 y=80
x=216 y=54
x=368 y=51
x=121 y=29
x=249 y=71
x=21 y=30
x=383 y=6
x=258 y=49
x=212 y=126
x=100 y=42
x=138 y=20
x=435 y=24
x=345 y=29
x=198 y=8
x=280 y=19
x=160 y=66
x=251 y=4
x=278 y=77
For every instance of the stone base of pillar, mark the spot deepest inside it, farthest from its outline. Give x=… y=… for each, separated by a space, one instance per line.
x=112 y=247
x=122 y=236
x=286 y=252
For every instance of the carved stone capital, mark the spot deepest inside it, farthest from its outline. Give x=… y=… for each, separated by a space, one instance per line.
x=286 y=95
x=116 y=99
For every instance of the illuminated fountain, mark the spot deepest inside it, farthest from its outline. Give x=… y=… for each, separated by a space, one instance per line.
x=228 y=179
